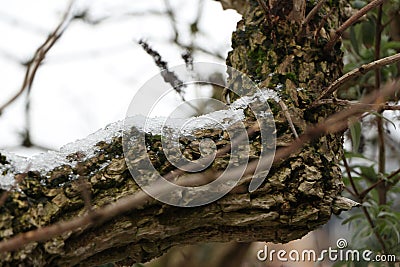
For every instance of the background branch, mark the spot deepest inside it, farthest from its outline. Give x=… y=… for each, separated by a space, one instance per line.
x=357 y=72
x=40 y=54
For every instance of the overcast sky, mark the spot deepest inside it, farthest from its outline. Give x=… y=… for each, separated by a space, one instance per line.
x=92 y=73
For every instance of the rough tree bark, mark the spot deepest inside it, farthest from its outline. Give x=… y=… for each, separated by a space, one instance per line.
x=299 y=194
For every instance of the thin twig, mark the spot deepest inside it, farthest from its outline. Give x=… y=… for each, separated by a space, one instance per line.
x=363 y=208
x=344 y=102
x=313 y=12
x=394 y=181
x=309 y=17
x=354 y=18
x=348 y=171
x=322 y=23
x=339 y=121
x=357 y=72
x=40 y=55
x=288 y=117
x=389 y=107
x=364 y=193
x=393 y=174
x=381 y=187
x=376 y=232
x=171 y=15
x=191 y=47
x=351 y=192
x=169 y=77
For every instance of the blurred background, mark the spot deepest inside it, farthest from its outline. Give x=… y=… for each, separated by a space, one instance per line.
x=92 y=72
x=90 y=75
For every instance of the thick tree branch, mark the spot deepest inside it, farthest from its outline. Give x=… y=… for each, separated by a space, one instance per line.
x=257 y=215
x=300 y=193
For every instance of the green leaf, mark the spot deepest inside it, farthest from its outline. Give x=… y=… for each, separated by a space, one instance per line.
x=350 y=66
x=369 y=172
x=390 y=45
x=368 y=33
x=367 y=55
x=393 y=227
x=359 y=216
x=383 y=117
x=355 y=131
x=352 y=154
x=387 y=214
x=353 y=40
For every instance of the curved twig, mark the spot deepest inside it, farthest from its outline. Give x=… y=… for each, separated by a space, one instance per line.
x=40 y=54
x=357 y=72
x=353 y=19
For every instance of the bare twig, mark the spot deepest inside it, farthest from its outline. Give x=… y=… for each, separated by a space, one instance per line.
x=364 y=193
x=344 y=102
x=321 y=24
x=393 y=174
x=350 y=22
x=381 y=187
x=378 y=38
x=392 y=180
x=171 y=16
x=98 y=215
x=313 y=12
x=357 y=72
x=390 y=107
x=309 y=17
x=348 y=171
x=85 y=17
x=288 y=117
x=376 y=232
x=40 y=55
x=363 y=208
x=193 y=29
x=339 y=121
x=169 y=77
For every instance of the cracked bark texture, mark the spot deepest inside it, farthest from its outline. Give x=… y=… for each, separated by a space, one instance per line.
x=299 y=194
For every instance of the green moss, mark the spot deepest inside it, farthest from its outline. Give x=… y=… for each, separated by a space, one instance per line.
x=292 y=76
x=256 y=58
